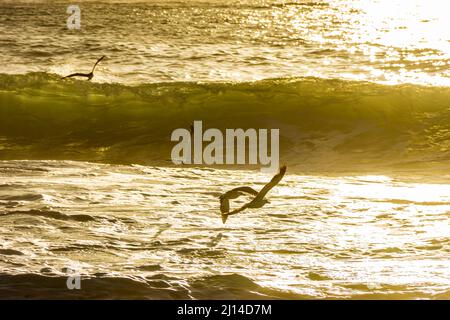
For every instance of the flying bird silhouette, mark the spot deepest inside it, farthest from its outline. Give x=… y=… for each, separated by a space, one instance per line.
x=258 y=201
x=87 y=75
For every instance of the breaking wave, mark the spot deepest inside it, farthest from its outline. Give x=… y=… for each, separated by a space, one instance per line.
x=324 y=123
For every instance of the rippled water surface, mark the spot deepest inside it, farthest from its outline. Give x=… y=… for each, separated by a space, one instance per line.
x=137 y=231
x=389 y=41
x=141 y=231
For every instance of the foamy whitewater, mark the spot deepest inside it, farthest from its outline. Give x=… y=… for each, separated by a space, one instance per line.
x=153 y=232
x=359 y=90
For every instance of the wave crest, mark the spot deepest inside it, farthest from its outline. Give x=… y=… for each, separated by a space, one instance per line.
x=323 y=123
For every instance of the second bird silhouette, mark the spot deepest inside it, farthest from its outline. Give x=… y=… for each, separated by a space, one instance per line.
x=89 y=75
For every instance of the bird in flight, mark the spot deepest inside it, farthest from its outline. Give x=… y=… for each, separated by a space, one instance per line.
x=89 y=76
x=258 y=201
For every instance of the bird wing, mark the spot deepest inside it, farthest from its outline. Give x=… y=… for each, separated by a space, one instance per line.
x=249 y=190
x=233 y=194
x=76 y=75
x=97 y=63
x=245 y=206
x=225 y=215
x=275 y=180
x=224 y=204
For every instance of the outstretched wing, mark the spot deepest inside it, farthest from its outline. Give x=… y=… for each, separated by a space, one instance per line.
x=225 y=215
x=275 y=180
x=245 y=206
x=238 y=190
x=224 y=205
x=233 y=194
x=76 y=75
x=97 y=63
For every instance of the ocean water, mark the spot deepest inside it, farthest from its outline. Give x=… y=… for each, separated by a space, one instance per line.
x=359 y=90
x=154 y=232
x=214 y=40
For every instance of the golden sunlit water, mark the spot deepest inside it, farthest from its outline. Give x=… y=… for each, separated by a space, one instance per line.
x=386 y=41
x=360 y=91
x=320 y=236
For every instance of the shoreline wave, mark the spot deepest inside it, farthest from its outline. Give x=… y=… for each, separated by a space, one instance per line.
x=161 y=287
x=155 y=287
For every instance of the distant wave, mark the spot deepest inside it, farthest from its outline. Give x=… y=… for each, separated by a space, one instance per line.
x=323 y=123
